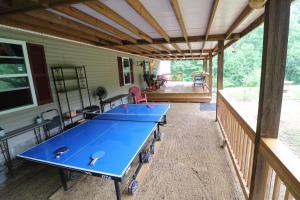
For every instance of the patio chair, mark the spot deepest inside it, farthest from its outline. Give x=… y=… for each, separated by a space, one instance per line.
x=199 y=79
x=135 y=92
x=54 y=127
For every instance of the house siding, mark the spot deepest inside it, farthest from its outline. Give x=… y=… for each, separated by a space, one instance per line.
x=101 y=67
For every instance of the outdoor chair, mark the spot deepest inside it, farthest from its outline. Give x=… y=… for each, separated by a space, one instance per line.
x=135 y=92
x=199 y=79
x=54 y=127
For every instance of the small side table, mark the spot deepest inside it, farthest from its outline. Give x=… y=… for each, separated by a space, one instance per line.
x=36 y=127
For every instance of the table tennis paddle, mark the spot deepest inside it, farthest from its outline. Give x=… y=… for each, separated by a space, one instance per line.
x=150 y=106
x=96 y=156
x=58 y=152
x=125 y=106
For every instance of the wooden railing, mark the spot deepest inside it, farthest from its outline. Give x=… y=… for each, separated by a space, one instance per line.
x=283 y=174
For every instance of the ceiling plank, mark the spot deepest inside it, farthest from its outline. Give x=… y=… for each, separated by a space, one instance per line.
x=14 y=23
x=243 y=15
x=54 y=18
x=142 y=11
x=186 y=51
x=177 y=11
x=210 y=20
x=108 y=12
x=25 y=7
x=74 y=12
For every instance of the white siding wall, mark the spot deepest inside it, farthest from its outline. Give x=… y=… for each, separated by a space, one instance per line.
x=102 y=70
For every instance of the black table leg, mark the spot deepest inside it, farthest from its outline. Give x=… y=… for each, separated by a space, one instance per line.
x=63 y=179
x=117 y=188
x=5 y=151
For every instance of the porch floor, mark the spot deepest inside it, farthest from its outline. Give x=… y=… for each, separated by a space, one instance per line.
x=188 y=165
x=180 y=92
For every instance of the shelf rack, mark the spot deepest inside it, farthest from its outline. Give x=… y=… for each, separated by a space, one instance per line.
x=69 y=79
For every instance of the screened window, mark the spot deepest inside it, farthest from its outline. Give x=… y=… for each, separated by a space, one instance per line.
x=126 y=71
x=16 y=85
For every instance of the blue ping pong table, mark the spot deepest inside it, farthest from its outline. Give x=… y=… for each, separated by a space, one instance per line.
x=120 y=134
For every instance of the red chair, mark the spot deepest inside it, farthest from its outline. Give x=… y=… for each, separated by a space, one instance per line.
x=137 y=95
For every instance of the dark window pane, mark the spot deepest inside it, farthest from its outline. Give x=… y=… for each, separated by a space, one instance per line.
x=7 y=84
x=127 y=78
x=12 y=68
x=11 y=50
x=15 y=98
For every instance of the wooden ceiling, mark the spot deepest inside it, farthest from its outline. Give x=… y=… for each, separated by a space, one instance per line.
x=162 y=29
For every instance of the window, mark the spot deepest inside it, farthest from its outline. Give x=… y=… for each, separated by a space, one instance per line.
x=125 y=67
x=126 y=71
x=16 y=85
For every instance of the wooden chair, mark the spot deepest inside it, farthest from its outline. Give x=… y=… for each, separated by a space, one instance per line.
x=135 y=92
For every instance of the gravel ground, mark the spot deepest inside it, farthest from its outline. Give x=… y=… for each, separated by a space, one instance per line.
x=188 y=165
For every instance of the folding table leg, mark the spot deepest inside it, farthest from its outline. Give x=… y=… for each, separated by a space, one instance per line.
x=63 y=179
x=117 y=188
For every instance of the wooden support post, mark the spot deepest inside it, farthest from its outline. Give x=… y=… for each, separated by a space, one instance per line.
x=205 y=65
x=220 y=64
x=210 y=74
x=220 y=71
x=277 y=13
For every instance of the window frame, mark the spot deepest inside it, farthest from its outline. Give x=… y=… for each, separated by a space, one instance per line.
x=126 y=58
x=28 y=75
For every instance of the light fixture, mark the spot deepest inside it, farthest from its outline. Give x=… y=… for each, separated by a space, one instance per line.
x=257 y=4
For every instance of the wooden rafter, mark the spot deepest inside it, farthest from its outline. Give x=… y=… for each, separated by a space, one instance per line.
x=200 y=38
x=199 y=51
x=243 y=15
x=164 y=48
x=30 y=5
x=25 y=25
x=108 y=12
x=210 y=20
x=180 y=20
x=54 y=18
x=176 y=47
x=74 y=12
x=142 y=11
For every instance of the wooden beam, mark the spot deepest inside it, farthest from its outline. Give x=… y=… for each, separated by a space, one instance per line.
x=74 y=12
x=23 y=25
x=176 y=47
x=243 y=15
x=164 y=48
x=210 y=73
x=253 y=25
x=24 y=18
x=37 y=6
x=54 y=18
x=210 y=20
x=185 y=51
x=177 y=11
x=200 y=38
x=220 y=65
x=109 y=13
x=142 y=11
x=276 y=29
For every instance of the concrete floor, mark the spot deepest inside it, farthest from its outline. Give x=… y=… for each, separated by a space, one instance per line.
x=188 y=165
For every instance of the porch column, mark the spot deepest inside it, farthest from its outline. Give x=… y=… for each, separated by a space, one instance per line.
x=205 y=65
x=276 y=27
x=220 y=64
x=210 y=73
x=220 y=71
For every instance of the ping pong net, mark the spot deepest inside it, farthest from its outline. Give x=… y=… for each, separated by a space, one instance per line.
x=130 y=117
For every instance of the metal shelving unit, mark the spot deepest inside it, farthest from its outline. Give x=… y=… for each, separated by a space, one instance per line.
x=67 y=80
